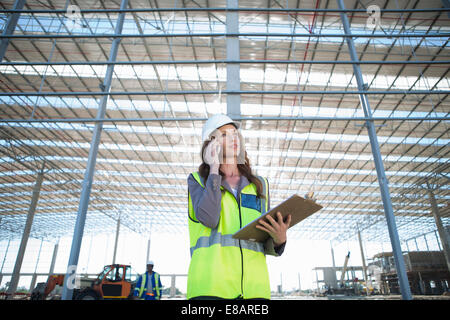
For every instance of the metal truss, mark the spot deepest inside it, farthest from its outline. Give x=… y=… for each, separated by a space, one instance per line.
x=300 y=111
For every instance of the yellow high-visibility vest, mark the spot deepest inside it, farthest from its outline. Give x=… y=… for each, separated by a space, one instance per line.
x=220 y=265
x=144 y=285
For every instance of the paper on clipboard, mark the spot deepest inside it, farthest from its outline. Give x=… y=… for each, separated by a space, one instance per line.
x=299 y=208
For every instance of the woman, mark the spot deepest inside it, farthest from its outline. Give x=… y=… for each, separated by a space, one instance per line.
x=224 y=195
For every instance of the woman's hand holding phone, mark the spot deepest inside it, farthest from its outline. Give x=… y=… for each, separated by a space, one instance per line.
x=211 y=156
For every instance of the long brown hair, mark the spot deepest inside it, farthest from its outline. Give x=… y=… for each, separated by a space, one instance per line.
x=244 y=169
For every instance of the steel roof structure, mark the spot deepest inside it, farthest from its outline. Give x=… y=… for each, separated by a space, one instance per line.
x=300 y=109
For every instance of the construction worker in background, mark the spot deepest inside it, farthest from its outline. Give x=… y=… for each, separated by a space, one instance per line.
x=148 y=286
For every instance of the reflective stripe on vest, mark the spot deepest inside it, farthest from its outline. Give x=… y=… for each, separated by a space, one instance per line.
x=143 y=285
x=157 y=284
x=226 y=241
x=241 y=264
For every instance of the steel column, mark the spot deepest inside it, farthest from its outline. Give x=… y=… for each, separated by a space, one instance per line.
x=55 y=253
x=443 y=234
x=426 y=242
x=26 y=234
x=33 y=279
x=116 y=241
x=233 y=69
x=6 y=253
x=148 y=251
x=173 y=290
x=437 y=240
x=92 y=158
x=10 y=26
x=299 y=283
x=332 y=255
x=363 y=259
x=382 y=180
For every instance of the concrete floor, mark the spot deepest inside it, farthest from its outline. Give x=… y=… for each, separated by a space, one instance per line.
x=375 y=297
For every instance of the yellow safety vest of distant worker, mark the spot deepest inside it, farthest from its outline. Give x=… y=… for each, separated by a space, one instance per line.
x=148 y=286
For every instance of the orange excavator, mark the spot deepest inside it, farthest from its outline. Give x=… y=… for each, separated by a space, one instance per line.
x=114 y=282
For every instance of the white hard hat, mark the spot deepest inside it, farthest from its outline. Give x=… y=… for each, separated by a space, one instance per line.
x=150 y=262
x=214 y=122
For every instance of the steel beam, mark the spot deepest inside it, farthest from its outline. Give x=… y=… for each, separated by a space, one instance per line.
x=92 y=158
x=233 y=69
x=226 y=9
x=108 y=120
x=215 y=92
x=382 y=180
x=227 y=34
x=10 y=26
x=241 y=61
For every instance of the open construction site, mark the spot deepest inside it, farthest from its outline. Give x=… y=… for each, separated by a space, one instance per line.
x=342 y=112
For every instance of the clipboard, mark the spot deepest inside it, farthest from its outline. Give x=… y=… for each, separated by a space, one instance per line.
x=299 y=208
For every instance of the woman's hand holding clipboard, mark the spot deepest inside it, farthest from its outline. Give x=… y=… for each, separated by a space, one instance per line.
x=297 y=207
x=276 y=229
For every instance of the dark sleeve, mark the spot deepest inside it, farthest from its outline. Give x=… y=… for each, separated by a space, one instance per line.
x=206 y=201
x=137 y=287
x=280 y=249
x=270 y=249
